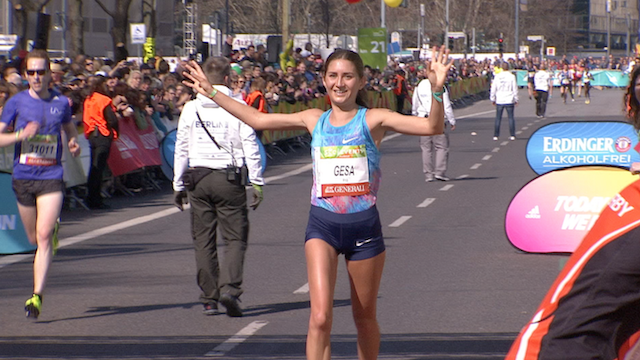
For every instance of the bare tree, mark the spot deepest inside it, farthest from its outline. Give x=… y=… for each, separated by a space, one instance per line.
x=149 y=17
x=120 y=16
x=337 y=17
x=75 y=24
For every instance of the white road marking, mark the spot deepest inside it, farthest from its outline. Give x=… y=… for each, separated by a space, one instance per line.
x=237 y=339
x=472 y=115
x=486 y=157
x=504 y=143
x=518 y=132
x=475 y=166
x=529 y=124
x=495 y=149
x=295 y=172
x=525 y=128
x=401 y=220
x=446 y=187
x=426 y=202
x=303 y=289
x=98 y=232
x=462 y=176
x=389 y=137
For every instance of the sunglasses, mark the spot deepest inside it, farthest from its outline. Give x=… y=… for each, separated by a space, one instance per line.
x=40 y=72
x=87 y=64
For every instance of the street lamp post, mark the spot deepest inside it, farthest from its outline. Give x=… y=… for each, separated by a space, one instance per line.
x=608 y=28
x=421 y=30
x=628 y=21
x=517 y=36
x=446 y=23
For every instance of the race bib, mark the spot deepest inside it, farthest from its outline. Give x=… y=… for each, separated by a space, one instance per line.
x=342 y=170
x=40 y=150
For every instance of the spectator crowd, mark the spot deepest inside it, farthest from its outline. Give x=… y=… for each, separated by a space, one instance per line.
x=156 y=95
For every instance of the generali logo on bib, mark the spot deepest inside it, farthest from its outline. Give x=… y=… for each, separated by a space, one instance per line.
x=341 y=190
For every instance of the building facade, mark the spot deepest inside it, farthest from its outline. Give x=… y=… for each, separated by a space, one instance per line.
x=597 y=21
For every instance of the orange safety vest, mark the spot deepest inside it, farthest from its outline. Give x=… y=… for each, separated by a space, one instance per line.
x=257 y=95
x=93 y=115
x=399 y=84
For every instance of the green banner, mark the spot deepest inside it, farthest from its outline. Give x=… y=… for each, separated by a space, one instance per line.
x=372 y=46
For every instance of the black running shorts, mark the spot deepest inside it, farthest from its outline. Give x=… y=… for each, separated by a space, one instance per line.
x=28 y=190
x=358 y=235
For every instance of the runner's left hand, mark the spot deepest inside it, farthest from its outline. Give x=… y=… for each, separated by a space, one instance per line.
x=438 y=67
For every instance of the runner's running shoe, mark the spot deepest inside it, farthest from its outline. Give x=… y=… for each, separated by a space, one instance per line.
x=33 y=306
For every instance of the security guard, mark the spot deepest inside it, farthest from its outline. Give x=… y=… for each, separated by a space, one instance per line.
x=214 y=154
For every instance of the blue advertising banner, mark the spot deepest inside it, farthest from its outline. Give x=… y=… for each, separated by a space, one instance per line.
x=566 y=144
x=13 y=239
x=609 y=78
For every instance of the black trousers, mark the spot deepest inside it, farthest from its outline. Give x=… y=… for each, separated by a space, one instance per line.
x=541 y=102
x=218 y=204
x=100 y=146
x=400 y=103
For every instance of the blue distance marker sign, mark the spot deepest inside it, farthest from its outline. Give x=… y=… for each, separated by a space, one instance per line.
x=566 y=144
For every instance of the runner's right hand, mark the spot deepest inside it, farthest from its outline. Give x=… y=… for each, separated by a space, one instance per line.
x=30 y=130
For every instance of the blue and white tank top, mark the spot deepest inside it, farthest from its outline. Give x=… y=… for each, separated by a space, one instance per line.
x=346 y=165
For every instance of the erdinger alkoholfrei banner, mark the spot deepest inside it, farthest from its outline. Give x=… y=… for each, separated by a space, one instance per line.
x=566 y=144
x=553 y=212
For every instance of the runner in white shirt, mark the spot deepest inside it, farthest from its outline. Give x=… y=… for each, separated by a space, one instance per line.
x=543 y=88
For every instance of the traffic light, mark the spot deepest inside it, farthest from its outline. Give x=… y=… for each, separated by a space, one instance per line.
x=500 y=45
x=450 y=43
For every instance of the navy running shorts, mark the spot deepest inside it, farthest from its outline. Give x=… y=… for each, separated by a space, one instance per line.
x=28 y=190
x=358 y=235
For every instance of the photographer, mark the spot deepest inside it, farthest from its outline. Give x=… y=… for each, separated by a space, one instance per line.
x=222 y=152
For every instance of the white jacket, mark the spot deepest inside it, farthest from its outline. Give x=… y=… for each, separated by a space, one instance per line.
x=541 y=80
x=421 y=102
x=195 y=148
x=504 y=88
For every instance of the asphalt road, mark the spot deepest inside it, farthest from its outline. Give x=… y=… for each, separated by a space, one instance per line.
x=123 y=283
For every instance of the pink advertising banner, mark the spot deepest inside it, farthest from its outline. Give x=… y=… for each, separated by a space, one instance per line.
x=553 y=212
